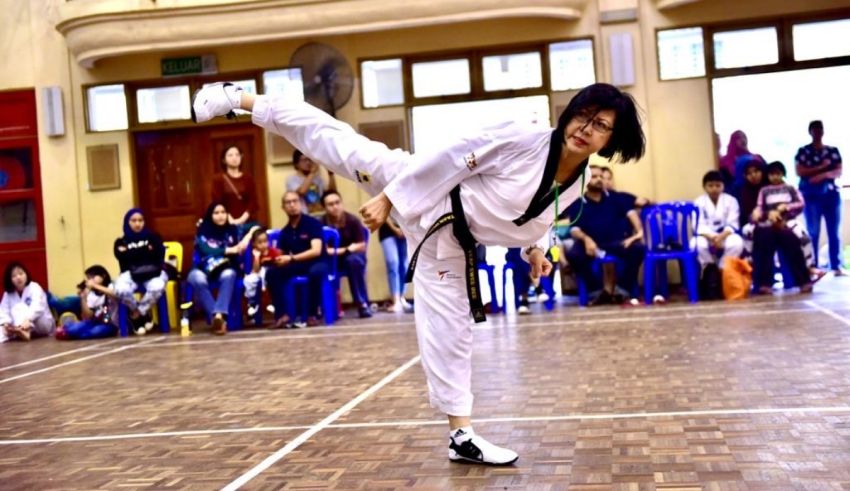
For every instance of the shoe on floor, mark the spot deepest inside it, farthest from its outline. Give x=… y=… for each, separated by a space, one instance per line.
x=542 y=297
x=523 y=309
x=364 y=312
x=252 y=309
x=466 y=446
x=219 y=99
x=218 y=326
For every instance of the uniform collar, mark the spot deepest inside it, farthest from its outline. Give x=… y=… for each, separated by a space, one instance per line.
x=545 y=194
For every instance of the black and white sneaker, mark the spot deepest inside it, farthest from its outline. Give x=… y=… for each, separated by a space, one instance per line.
x=219 y=99
x=466 y=446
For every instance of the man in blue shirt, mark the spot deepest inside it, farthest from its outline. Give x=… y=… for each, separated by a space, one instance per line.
x=301 y=244
x=605 y=226
x=818 y=166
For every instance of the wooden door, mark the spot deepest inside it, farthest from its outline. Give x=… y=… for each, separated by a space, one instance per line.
x=174 y=170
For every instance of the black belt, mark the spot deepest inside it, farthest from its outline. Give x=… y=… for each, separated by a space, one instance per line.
x=460 y=229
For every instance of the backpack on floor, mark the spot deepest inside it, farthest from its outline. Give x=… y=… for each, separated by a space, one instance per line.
x=737 y=278
x=710 y=284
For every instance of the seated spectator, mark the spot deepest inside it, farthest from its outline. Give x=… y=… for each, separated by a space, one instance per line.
x=755 y=178
x=395 y=257
x=301 y=245
x=718 y=223
x=778 y=206
x=140 y=254
x=308 y=183
x=24 y=313
x=630 y=200
x=732 y=164
x=605 y=225
x=99 y=308
x=219 y=251
x=351 y=253
x=263 y=256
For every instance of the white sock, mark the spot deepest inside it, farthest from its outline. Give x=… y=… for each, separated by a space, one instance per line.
x=461 y=434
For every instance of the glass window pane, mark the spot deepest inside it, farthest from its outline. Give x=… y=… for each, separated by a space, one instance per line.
x=382 y=83
x=515 y=71
x=15 y=169
x=163 y=104
x=571 y=64
x=680 y=53
x=748 y=47
x=817 y=40
x=444 y=77
x=18 y=221
x=248 y=85
x=107 y=108
x=286 y=83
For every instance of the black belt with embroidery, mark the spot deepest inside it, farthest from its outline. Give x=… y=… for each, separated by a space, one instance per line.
x=460 y=229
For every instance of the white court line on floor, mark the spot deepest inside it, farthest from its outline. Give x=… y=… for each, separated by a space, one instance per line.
x=57 y=355
x=435 y=422
x=554 y=323
x=79 y=360
x=282 y=337
x=303 y=437
x=550 y=322
x=828 y=312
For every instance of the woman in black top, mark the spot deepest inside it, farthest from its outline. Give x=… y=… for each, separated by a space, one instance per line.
x=140 y=254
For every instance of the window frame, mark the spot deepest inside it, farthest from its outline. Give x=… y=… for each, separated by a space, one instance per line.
x=476 y=57
x=360 y=62
x=87 y=118
x=705 y=50
x=785 y=43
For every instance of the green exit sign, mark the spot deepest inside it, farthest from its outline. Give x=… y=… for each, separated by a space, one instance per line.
x=189 y=65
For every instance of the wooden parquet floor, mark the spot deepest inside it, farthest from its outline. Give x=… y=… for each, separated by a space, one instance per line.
x=715 y=396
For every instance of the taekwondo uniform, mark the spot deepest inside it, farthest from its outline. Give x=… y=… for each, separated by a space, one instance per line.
x=714 y=219
x=493 y=188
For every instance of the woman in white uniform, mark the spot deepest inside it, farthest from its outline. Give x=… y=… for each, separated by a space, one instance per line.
x=496 y=187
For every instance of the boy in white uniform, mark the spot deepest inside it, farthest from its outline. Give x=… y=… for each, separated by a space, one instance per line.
x=493 y=188
x=719 y=216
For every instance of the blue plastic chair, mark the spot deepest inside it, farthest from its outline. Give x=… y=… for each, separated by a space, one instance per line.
x=234 y=313
x=668 y=229
x=162 y=313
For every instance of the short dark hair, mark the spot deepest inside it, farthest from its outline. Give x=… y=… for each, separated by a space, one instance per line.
x=627 y=139
x=296 y=156
x=98 y=270
x=777 y=166
x=595 y=166
x=712 y=176
x=7 y=275
x=815 y=124
x=330 y=192
x=257 y=233
x=224 y=154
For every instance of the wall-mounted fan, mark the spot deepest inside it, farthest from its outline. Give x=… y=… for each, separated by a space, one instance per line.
x=328 y=79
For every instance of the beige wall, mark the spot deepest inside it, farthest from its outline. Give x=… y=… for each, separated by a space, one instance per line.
x=81 y=225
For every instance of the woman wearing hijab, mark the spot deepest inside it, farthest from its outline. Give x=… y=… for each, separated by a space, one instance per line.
x=217 y=253
x=140 y=254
